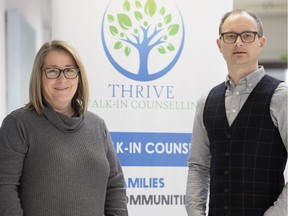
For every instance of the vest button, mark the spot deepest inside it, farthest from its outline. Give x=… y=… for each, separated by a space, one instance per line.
x=226 y=190
x=226 y=207
x=228 y=136
x=227 y=154
x=226 y=172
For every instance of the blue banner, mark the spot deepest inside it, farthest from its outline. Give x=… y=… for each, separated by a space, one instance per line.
x=152 y=149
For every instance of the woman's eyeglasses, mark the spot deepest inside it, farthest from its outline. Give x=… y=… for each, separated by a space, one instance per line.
x=54 y=73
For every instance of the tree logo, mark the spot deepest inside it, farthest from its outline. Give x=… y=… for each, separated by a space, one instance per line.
x=144 y=40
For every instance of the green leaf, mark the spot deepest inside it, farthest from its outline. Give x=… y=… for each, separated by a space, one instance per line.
x=138 y=15
x=168 y=18
x=127 y=51
x=138 y=4
x=150 y=7
x=118 y=45
x=110 y=18
x=170 y=47
x=161 y=50
x=126 y=6
x=162 y=11
x=124 y=21
x=113 y=30
x=173 y=29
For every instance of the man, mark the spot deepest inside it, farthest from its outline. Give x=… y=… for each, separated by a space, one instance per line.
x=239 y=147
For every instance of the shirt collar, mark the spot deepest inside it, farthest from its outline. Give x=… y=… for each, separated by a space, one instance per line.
x=250 y=80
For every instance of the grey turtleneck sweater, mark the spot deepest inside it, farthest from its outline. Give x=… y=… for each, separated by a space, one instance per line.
x=52 y=165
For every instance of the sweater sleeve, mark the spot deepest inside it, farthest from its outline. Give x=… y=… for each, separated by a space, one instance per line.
x=116 y=200
x=12 y=153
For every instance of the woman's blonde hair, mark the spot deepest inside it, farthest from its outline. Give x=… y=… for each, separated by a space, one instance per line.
x=81 y=96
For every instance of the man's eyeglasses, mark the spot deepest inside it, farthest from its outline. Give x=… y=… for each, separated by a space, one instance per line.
x=231 y=37
x=54 y=73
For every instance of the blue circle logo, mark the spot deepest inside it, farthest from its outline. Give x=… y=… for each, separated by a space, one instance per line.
x=142 y=40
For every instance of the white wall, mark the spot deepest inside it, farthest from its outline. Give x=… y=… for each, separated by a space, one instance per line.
x=37 y=14
x=2 y=62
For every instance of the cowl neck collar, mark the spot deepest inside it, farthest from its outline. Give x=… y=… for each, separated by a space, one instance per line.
x=61 y=121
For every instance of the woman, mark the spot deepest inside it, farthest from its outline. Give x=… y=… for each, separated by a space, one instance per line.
x=57 y=158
